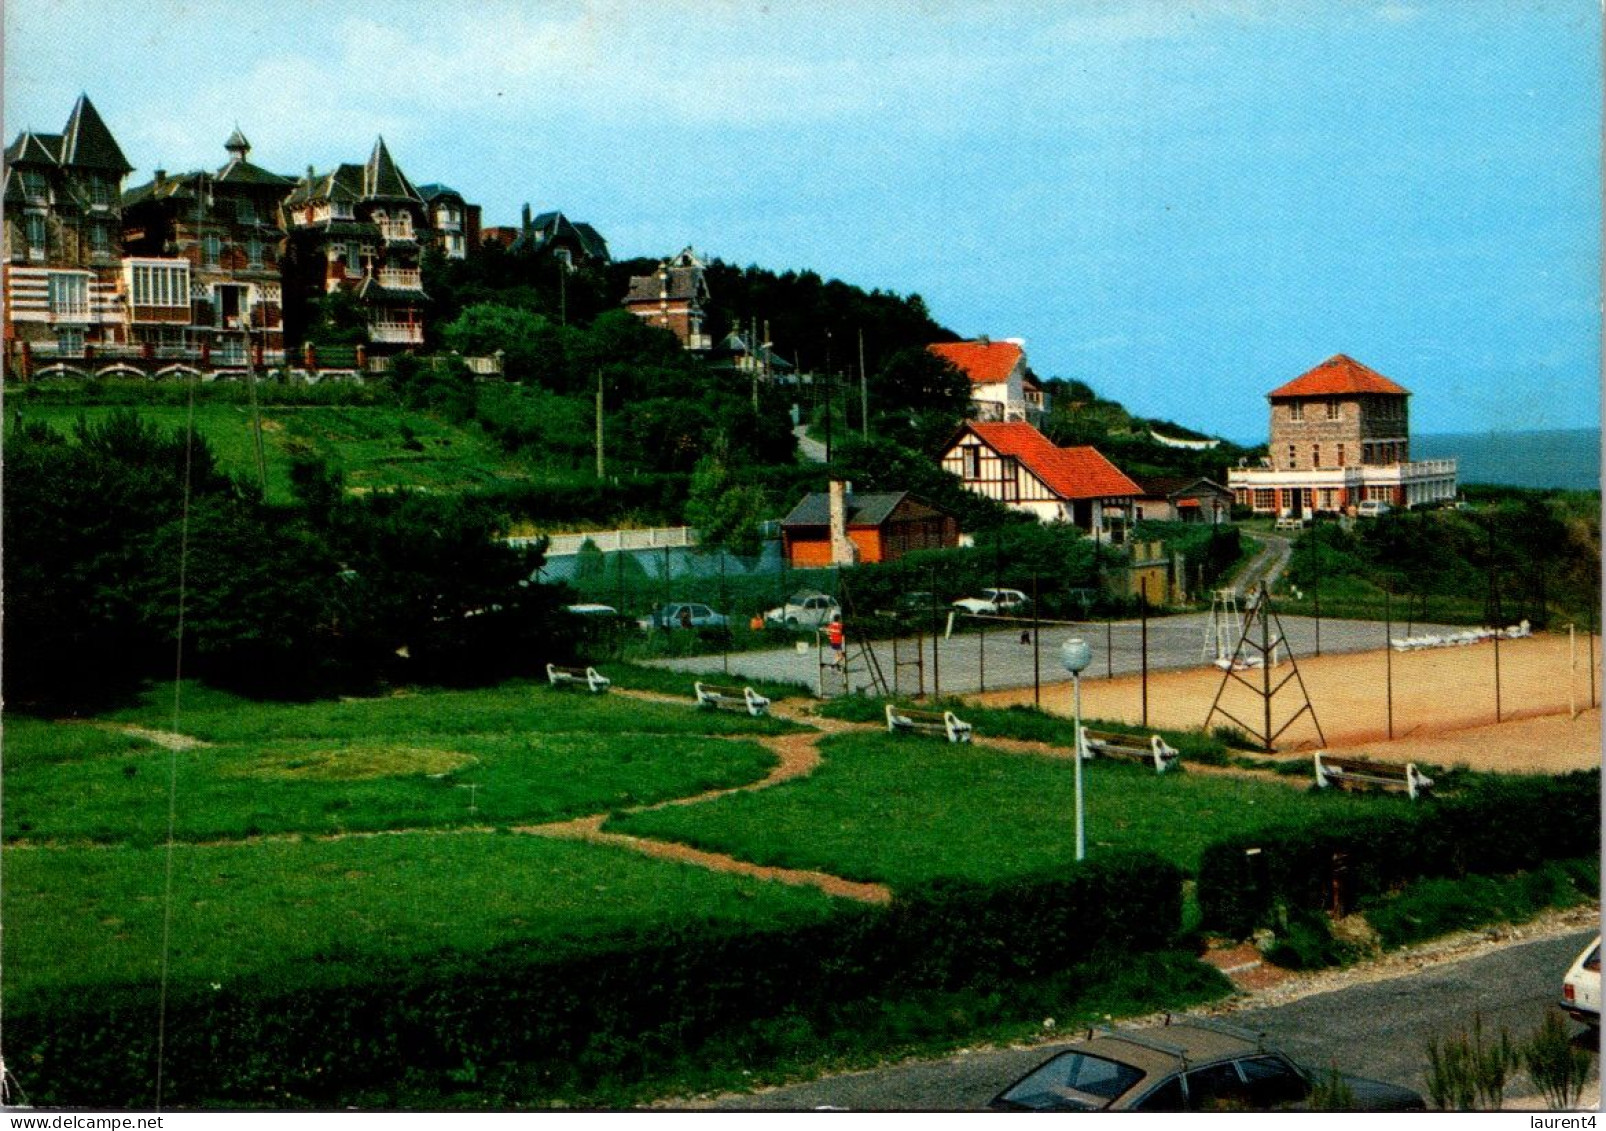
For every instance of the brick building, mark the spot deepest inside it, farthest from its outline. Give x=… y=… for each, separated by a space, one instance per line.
x=360 y=229
x=62 y=248
x=672 y=298
x=201 y=262
x=1340 y=435
x=881 y=527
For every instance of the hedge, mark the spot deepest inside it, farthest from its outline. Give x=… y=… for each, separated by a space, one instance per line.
x=1493 y=826
x=593 y=1010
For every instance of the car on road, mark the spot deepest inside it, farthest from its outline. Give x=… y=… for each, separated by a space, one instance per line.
x=683 y=614
x=1580 y=989
x=995 y=602
x=1372 y=508
x=805 y=610
x=1188 y=1065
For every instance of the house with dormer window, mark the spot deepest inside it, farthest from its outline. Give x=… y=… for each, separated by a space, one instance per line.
x=360 y=229
x=201 y=263
x=61 y=244
x=672 y=298
x=1001 y=384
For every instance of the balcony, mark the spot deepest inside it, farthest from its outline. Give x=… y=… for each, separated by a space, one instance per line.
x=397 y=333
x=401 y=278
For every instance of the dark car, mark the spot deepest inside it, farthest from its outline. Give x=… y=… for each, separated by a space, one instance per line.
x=1191 y=1065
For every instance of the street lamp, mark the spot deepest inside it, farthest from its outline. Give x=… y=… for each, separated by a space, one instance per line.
x=1076 y=655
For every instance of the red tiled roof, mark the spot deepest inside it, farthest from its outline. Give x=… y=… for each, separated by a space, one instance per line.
x=1071 y=473
x=1336 y=376
x=985 y=363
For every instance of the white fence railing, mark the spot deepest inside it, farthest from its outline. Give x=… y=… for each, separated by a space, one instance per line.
x=610 y=541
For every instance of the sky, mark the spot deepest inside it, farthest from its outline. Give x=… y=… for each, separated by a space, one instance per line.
x=1184 y=204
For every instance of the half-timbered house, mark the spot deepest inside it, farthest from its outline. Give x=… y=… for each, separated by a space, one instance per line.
x=1020 y=467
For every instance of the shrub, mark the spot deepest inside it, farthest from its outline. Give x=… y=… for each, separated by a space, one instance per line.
x=1493 y=827
x=1557 y=1068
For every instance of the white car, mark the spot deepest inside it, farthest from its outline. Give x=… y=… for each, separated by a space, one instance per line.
x=805 y=610
x=994 y=602
x=1372 y=508
x=1580 y=989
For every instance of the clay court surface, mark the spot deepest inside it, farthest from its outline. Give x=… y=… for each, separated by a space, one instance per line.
x=1443 y=704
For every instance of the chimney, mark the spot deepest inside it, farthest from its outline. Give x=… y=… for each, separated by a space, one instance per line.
x=526 y=217
x=161 y=176
x=843 y=551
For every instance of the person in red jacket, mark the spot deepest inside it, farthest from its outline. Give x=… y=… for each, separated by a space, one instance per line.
x=834 y=635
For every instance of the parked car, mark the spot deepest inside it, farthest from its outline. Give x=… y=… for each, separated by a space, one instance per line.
x=805 y=610
x=914 y=604
x=1191 y=1065
x=684 y=614
x=1580 y=989
x=1372 y=508
x=588 y=610
x=995 y=602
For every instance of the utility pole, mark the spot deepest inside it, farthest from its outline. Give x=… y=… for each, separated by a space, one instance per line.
x=864 y=390
x=829 y=397
x=600 y=464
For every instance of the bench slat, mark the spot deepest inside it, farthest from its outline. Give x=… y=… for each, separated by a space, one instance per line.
x=1338 y=772
x=1157 y=753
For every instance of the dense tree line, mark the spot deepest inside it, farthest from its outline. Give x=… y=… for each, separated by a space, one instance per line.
x=107 y=529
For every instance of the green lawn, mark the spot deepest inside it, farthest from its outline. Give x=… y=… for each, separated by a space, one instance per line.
x=514 y=755
x=303 y=911
x=904 y=810
x=366 y=442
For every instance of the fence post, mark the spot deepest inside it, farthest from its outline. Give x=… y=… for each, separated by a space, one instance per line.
x=936 y=641
x=1109 y=649
x=1388 y=658
x=1143 y=615
x=1037 y=626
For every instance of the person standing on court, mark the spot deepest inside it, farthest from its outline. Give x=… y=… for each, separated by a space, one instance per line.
x=834 y=635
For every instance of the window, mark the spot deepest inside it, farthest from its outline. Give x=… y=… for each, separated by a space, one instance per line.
x=972 y=459
x=1167 y=1097
x=1073 y=1081
x=35 y=225
x=164 y=283
x=1316 y=455
x=1265 y=498
x=1341 y=455
x=100 y=239
x=1332 y=409
x=245 y=211
x=1217 y=1088
x=1293 y=456
x=1296 y=411
x=211 y=250
x=100 y=192
x=253 y=252
x=70 y=341
x=69 y=297
x=1273 y=1083
x=35 y=187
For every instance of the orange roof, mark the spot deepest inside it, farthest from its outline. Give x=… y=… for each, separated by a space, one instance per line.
x=1071 y=473
x=1336 y=376
x=985 y=363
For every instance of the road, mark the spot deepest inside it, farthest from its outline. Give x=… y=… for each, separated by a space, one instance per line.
x=1376 y=1028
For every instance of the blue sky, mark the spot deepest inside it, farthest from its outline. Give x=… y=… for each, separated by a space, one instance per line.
x=1184 y=204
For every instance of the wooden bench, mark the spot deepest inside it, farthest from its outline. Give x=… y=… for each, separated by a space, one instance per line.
x=731 y=698
x=1107 y=744
x=928 y=722
x=1344 y=773
x=559 y=676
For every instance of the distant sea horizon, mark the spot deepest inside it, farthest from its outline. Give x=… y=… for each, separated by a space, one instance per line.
x=1565 y=458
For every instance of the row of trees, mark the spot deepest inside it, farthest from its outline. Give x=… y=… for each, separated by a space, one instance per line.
x=120 y=540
